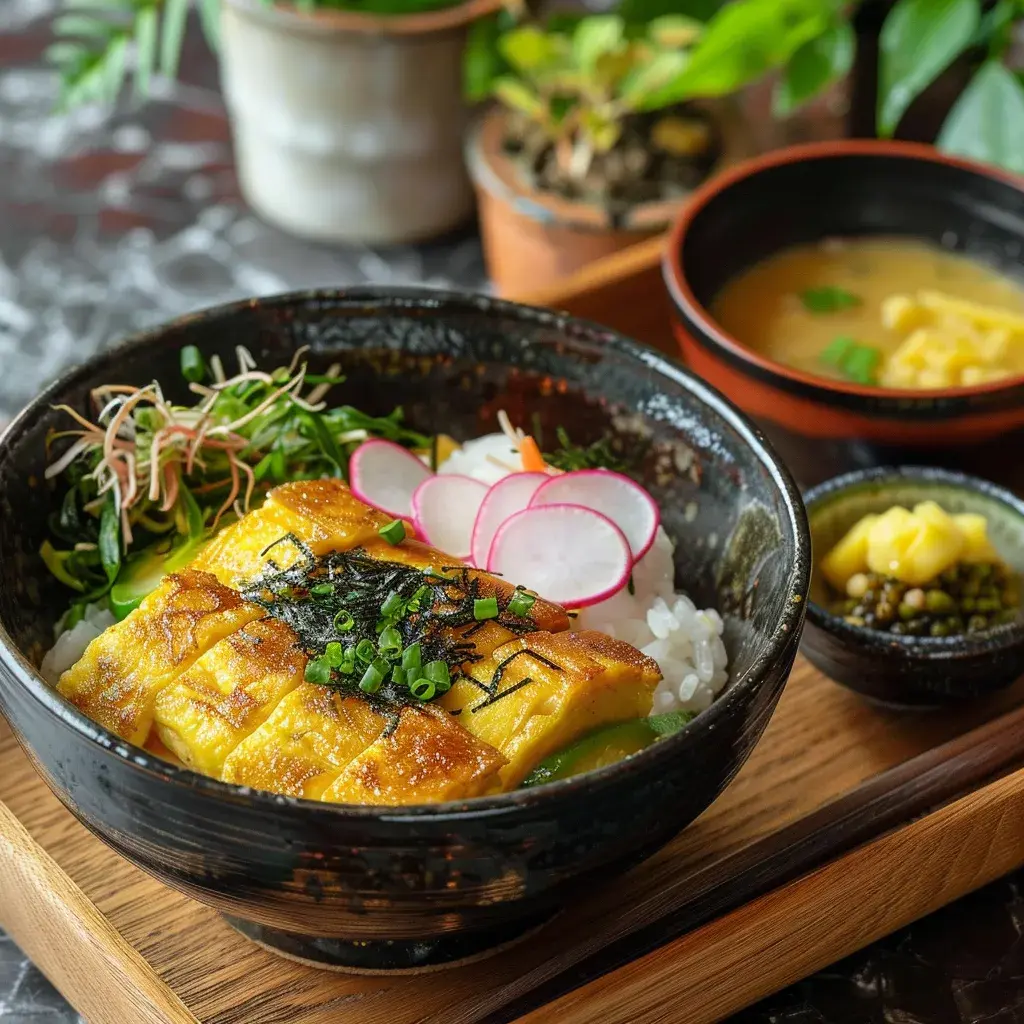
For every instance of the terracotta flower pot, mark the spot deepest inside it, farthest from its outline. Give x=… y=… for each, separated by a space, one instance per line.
x=532 y=238
x=349 y=127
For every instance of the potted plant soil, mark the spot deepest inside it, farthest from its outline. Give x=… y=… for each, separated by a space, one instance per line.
x=348 y=115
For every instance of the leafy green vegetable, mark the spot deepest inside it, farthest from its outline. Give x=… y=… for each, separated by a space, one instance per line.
x=815 y=66
x=856 y=361
x=828 y=299
x=919 y=40
x=987 y=122
x=598 y=455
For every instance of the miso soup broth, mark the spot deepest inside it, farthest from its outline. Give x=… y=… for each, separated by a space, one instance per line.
x=892 y=312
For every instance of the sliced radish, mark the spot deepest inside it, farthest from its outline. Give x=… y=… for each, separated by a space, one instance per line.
x=445 y=509
x=624 y=502
x=509 y=495
x=568 y=554
x=386 y=475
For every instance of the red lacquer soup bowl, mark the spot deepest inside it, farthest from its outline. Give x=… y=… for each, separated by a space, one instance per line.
x=844 y=189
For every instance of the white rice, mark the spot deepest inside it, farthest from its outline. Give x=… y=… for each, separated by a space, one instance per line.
x=70 y=644
x=665 y=624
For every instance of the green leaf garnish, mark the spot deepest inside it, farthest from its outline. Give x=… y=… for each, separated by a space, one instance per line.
x=828 y=299
x=855 y=361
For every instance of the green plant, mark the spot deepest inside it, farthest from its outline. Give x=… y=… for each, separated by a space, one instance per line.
x=921 y=38
x=579 y=78
x=100 y=44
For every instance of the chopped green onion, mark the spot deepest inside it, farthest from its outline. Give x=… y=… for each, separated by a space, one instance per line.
x=485 y=608
x=399 y=676
x=394 y=532
x=423 y=689
x=193 y=369
x=412 y=657
x=393 y=606
x=390 y=643
x=828 y=299
x=372 y=678
x=441 y=686
x=521 y=603
x=437 y=672
x=322 y=590
x=318 y=671
x=366 y=651
x=421 y=599
x=382 y=665
x=333 y=654
x=343 y=621
x=348 y=662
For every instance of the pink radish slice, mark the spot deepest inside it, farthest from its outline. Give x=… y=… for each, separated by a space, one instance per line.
x=445 y=508
x=625 y=503
x=386 y=475
x=509 y=495
x=568 y=554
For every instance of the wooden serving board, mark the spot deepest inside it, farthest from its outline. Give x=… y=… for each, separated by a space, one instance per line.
x=847 y=822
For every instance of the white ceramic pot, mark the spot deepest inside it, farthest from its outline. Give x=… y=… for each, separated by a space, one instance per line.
x=347 y=127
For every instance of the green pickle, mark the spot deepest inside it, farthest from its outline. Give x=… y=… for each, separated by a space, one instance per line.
x=607 y=745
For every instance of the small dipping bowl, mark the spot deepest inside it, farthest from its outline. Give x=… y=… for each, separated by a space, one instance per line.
x=910 y=671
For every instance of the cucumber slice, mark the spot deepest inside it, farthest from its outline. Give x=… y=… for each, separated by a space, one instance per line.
x=142 y=573
x=606 y=746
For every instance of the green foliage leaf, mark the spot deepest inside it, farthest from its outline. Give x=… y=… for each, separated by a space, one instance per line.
x=172 y=35
x=595 y=37
x=815 y=66
x=645 y=82
x=518 y=96
x=482 y=62
x=146 y=29
x=741 y=43
x=528 y=49
x=919 y=40
x=675 y=30
x=82 y=25
x=603 y=131
x=642 y=12
x=209 y=17
x=987 y=123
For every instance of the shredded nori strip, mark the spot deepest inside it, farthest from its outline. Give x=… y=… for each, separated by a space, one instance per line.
x=309 y=596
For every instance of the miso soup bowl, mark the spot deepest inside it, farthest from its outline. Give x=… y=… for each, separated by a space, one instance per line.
x=804 y=194
x=392 y=888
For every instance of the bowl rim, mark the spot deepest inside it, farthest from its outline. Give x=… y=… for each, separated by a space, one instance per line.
x=924 y=648
x=385 y=301
x=687 y=303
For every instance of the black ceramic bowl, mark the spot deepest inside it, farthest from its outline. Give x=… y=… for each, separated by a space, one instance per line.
x=803 y=194
x=912 y=671
x=404 y=887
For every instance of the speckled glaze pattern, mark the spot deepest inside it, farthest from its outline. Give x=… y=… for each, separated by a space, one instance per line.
x=421 y=885
x=912 y=671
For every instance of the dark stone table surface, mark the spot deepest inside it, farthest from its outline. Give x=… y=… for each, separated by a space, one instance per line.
x=109 y=223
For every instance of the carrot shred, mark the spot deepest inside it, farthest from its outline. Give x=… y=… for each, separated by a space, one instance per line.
x=533 y=461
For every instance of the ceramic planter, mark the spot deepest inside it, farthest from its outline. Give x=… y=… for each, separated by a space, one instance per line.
x=347 y=127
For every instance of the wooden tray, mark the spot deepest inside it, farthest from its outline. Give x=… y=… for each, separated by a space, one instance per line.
x=848 y=822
